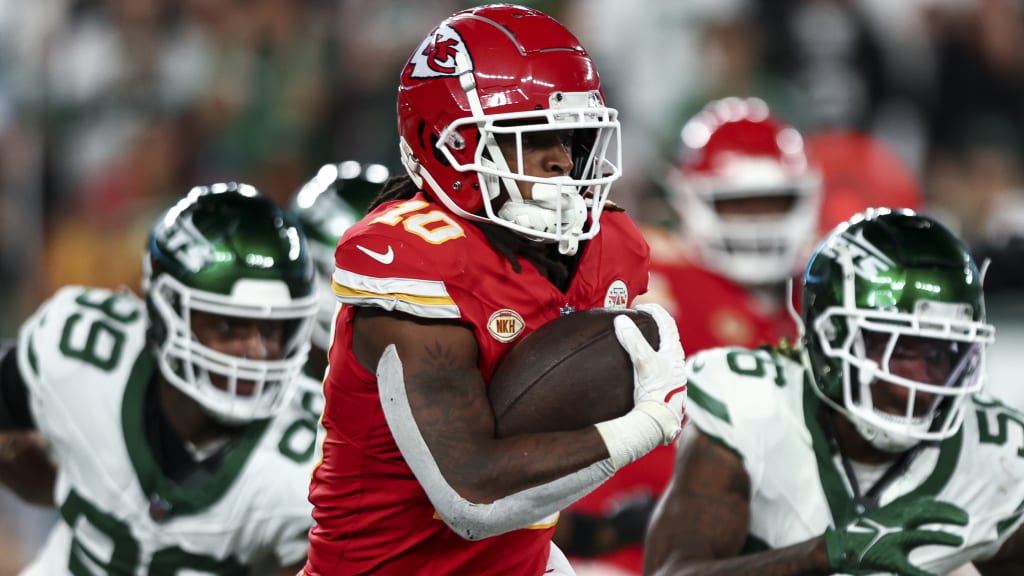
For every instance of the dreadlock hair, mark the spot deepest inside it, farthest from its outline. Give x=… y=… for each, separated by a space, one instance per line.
x=399 y=187
x=543 y=255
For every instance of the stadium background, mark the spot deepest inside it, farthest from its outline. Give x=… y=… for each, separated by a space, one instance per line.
x=110 y=108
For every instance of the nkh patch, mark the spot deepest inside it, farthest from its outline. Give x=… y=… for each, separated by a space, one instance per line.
x=505 y=325
x=617 y=295
x=436 y=56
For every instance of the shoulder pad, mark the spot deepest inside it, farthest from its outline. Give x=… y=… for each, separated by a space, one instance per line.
x=734 y=393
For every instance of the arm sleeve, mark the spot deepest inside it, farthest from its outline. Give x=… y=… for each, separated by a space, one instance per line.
x=14 y=401
x=711 y=406
x=471 y=520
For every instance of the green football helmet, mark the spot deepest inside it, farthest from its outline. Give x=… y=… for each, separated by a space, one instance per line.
x=879 y=284
x=326 y=205
x=227 y=250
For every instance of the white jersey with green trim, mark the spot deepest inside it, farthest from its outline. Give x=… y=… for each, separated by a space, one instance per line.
x=759 y=405
x=84 y=358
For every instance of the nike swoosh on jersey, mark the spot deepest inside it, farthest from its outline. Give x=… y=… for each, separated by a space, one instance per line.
x=383 y=257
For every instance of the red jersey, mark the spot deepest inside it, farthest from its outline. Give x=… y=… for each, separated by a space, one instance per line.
x=710 y=311
x=713 y=311
x=413 y=256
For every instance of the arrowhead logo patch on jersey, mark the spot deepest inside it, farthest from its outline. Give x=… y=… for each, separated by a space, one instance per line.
x=436 y=56
x=505 y=325
x=617 y=295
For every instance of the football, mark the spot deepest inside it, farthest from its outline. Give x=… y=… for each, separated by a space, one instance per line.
x=567 y=374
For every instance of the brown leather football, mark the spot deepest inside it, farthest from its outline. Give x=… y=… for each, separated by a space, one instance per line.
x=567 y=374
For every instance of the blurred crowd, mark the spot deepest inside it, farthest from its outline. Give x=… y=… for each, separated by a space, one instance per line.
x=109 y=108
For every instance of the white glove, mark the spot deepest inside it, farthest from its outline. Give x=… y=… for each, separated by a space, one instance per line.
x=659 y=389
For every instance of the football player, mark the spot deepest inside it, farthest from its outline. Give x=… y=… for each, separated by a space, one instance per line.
x=169 y=418
x=325 y=207
x=871 y=449
x=500 y=225
x=748 y=202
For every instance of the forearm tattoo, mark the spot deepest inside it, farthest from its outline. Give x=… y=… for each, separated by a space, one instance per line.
x=454 y=416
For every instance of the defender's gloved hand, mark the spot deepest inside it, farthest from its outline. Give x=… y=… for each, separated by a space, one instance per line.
x=881 y=540
x=659 y=389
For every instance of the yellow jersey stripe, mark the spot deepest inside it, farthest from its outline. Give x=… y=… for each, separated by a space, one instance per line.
x=345 y=294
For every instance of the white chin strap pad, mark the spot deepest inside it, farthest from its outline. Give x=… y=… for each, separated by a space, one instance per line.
x=555 y=208
x=885 y=440
x=471 y=520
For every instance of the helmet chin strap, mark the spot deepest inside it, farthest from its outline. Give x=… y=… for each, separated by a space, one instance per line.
x=889 y=442
x=554 y=208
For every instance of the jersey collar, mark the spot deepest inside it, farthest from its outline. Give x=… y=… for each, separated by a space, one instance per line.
x=168 y=499
x=840 y=500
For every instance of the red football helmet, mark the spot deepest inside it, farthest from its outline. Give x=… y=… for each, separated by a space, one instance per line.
x=745 y=193
x=497 y=70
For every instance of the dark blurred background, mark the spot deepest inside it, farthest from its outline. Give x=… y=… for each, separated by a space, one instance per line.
x=111 y=108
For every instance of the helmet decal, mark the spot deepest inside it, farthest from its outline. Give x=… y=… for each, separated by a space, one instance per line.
x=437 y=55
x=187 y=245
x=866 y=260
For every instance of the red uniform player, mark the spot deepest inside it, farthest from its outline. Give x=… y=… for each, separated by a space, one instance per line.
x=500 y=225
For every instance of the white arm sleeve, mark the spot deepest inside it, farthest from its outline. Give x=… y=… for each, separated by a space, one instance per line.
x=468 y=519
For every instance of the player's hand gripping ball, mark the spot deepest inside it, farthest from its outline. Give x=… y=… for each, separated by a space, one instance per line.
x=568 y=374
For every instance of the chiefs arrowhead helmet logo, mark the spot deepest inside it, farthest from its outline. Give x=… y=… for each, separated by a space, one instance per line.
x=436 y=56
x=441 y=51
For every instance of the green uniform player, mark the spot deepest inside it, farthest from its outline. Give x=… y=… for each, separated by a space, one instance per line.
x=871 y=449
x=179 y=442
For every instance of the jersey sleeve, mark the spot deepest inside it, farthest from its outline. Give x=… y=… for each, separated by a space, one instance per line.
x=33 y=336
x=76 y=350
x=993 y=444
x=394 y=269
x=742 y=399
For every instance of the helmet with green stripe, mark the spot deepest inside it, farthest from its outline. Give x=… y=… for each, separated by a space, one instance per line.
x=227 y=251
x=327 y=205
x=894 y=326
